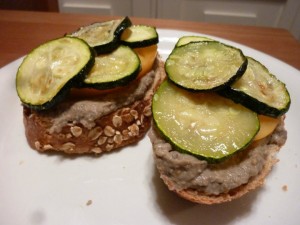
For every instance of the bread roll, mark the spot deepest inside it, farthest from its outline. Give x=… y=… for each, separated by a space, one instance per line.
x=95 y=124
x=197 y=181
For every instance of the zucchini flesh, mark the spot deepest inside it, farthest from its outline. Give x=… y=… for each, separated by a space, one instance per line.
x=139 y=36
x=48 y=72
x=104 y=37
x=187 y=39
x=206 y=125
x=113 y=69
x=260 y=91
x=205 y=65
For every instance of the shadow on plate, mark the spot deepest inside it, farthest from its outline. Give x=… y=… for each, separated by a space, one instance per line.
x=179 y=211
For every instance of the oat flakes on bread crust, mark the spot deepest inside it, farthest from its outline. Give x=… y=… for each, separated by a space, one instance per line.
x=124 y=126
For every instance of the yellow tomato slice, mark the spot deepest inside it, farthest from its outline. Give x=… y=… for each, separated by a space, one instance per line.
x=147 y=56
x=267 y=126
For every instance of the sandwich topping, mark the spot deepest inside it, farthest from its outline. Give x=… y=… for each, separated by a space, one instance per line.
x=85 y=110
x=93 y=57
x=204 y=124
x=205 y=65
x=218 y=119
x=104 y=37
x=187 y=171
x=47 y=73
x=96 y=86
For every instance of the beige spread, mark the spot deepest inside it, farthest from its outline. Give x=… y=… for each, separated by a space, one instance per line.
x=186 y=171
x=85 y=111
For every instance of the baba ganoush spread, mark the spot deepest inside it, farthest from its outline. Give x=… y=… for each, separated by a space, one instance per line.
x=187 y=171
x=86 y=110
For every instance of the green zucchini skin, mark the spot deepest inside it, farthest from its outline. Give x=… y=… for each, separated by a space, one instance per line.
x=209 y=160
x=152 y=39
x=256 y=104
x=59 y=97
x=253 y=104
x=225 y=85
x=111 y=75
x=187 y=39
x=63 y=92
x=168 y=110
x=238 y=73
x=126 y=22
x=109 y=47
x=114 y=43
x=112 y=84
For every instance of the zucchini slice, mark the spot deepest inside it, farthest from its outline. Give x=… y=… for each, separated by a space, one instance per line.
x=204 y=124
x=138 y=36
x=104 y=37
x=50 y=70
x=114 y=69
x=205 y=65
x=260 y=91
x=187 y=39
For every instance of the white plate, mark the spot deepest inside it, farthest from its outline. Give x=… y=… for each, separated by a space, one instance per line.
x=123 y=187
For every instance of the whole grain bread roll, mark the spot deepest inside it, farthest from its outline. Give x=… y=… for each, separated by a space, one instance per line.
x=75 y=127
x=174 y=168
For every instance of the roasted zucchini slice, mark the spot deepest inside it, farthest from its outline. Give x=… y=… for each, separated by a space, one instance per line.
x=50 y=70
x=114 y=69
x=205 y=65
x=204 y=124
x=187 y=39
x=138 y=36
x=260 y=91
x=104 y=37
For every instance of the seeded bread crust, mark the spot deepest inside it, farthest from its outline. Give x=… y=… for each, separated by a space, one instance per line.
x=125 y=126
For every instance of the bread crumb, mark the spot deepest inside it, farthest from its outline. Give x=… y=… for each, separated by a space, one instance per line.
x=89 y=202
x=284 y=187
x=21 y=162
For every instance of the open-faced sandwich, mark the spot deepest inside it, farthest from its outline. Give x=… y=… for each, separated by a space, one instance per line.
x=218 y=121
x=90 y=91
